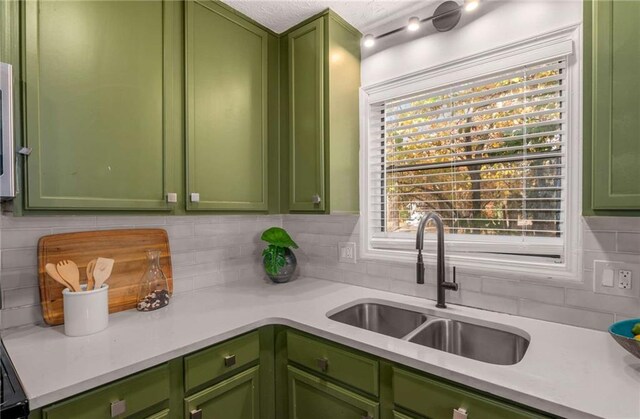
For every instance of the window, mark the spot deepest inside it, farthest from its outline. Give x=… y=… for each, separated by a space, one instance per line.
x=489 y=154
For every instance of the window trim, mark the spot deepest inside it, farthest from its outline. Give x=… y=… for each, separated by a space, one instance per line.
x=563 y=42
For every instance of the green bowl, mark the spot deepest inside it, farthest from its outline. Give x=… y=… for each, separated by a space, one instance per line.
x=621 y=332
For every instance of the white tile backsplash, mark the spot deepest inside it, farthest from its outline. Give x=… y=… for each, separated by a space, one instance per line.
x=206 y=250
x=210 y=250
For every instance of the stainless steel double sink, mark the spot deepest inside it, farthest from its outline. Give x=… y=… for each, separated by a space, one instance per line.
x=487 y=342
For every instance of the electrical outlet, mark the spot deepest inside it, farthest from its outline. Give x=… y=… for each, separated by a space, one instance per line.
x=347 y=252
x=624 y=279
x=620 y=278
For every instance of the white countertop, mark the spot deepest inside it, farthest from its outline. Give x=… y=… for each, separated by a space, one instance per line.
x=568 y=371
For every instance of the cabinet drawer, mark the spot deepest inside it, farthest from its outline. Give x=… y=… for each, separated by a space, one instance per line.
x=220 y=359
x=355 y=370
x=122 y=398
x=436 y=400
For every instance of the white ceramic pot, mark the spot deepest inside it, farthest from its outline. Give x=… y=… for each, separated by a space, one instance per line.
x=85 y=312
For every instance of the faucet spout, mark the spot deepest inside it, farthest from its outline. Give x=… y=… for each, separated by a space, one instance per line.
x=441 y=282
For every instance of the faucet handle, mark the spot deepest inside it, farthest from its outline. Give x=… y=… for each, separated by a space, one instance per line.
x=454 y=274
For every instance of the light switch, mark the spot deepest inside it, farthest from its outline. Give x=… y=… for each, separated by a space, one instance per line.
x=607 y=277
x=347 y=252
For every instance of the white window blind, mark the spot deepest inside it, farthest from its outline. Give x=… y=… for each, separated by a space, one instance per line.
x=488 y=155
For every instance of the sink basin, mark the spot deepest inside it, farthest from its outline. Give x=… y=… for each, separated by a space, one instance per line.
x=473 y=341
x=387 y=320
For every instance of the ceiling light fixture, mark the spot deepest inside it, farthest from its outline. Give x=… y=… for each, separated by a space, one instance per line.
x=414 y=24
x=369 y=40
x=445 y=17
x=470 y=5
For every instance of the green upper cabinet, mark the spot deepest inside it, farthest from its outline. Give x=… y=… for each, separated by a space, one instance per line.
x=226 y=108
x=321 y=116
x=306 y=117
x=612 y=106
x=99 y=111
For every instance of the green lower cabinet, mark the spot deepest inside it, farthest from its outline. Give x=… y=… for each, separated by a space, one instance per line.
x=235 y=398
x=311 y=397
x=438 y=400
x=144 y=395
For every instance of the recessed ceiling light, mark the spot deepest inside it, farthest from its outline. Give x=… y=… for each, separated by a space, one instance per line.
x=369 y=41
x=414 y=24
x=470 y=5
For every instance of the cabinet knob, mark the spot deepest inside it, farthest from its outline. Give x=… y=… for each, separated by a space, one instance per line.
x=229 y=360
x=459 y=413
x=316 y=199
x=118 y=408
x=323 y=364
x=195 y=414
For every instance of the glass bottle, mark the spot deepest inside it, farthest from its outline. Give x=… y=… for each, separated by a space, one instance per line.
x=154 y=288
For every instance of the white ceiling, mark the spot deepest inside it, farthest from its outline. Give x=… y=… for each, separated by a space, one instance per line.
x=280 y=15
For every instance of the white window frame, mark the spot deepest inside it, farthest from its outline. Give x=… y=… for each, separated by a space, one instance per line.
x=562 y=43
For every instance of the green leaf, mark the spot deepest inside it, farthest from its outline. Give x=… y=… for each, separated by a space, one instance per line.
x=277 y=236
x=274 y=259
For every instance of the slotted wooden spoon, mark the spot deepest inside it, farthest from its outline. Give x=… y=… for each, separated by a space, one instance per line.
x=68 y=270
x=102 y=271
x=90 y=279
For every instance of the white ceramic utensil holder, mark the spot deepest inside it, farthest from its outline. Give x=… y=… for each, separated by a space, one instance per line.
x=85 y=312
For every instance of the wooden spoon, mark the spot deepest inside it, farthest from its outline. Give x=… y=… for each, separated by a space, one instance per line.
x=90 y=280
x=102 y=271
x=53 y=273
x=68 y=270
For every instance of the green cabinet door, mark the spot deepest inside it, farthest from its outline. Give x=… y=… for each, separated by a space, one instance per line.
x=306 y=117
x=615 y=104
x=226 y=106
x=311 y=397
x=234 y=398
x=99 y=103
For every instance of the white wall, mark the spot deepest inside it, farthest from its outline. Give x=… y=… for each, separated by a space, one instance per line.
x=493 y=24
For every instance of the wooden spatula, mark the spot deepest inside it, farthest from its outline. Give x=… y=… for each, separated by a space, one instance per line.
x=53 y=273
x=90 y=281
x=68 y=270
x=102 y=271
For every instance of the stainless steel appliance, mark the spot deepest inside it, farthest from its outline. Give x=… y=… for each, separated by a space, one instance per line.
x=7 y=155
x=13 y=401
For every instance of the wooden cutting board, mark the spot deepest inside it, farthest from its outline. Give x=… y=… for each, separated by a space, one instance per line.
x=128 y=249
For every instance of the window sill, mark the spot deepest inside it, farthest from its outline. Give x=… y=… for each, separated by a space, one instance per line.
x=482 y=265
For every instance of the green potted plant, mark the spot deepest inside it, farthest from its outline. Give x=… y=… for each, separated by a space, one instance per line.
x=278 y=259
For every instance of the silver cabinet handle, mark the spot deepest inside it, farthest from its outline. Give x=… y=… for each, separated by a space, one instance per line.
x=229 y=360
x=459 y=413
x=196 y=414
x=118 y=408
x=316 y=199
x=323 y=364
